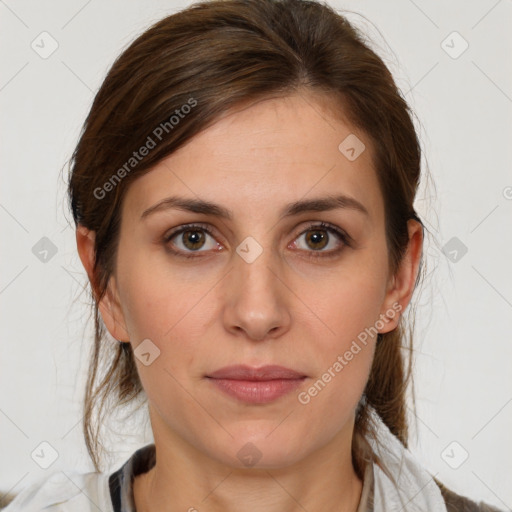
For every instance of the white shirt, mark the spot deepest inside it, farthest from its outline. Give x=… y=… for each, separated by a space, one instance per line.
x=68 y=491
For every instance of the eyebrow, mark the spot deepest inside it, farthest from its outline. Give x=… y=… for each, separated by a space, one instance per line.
x=303 y=206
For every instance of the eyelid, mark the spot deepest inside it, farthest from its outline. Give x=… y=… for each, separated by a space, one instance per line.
x=327 y=226
x=184 y=227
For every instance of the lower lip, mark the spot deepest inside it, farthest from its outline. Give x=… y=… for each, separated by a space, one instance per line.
x=257 y=392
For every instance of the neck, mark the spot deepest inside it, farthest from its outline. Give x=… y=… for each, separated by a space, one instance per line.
x=325 y=480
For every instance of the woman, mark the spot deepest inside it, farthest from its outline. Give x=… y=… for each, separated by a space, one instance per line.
x=243 y=195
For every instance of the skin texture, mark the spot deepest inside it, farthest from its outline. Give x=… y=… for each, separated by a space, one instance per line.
x=285 y=308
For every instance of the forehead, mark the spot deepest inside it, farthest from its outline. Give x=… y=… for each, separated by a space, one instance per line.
x=268 y=153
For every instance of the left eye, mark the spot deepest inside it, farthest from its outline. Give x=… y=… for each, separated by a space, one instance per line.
x=320 y=239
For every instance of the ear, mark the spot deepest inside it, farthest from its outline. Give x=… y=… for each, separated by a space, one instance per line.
x=109 y=304
x=401 y=285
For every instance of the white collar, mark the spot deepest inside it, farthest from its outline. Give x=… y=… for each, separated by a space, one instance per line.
x=416 y=490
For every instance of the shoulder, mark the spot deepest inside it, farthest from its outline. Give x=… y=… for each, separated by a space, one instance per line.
x=64 y=492
x=457 y=503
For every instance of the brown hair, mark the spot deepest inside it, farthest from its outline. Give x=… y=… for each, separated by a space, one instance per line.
x=214 y=56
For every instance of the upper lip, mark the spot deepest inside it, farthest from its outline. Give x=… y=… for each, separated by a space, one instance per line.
x=243 y=372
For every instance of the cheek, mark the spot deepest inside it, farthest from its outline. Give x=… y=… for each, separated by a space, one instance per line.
x=348 y=305
x=345 y=304
x=330 y=400
x=173 y=310
x=158 y=298
x=343 y=355
x=167 y=315
x=345 y=352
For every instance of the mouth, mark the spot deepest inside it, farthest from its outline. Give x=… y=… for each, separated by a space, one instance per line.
x=256 y=385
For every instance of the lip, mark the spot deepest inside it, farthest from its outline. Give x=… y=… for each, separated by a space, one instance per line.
x=256 y=385
x=243 y=372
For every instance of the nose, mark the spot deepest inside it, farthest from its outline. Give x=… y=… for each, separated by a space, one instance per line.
x=256 y=299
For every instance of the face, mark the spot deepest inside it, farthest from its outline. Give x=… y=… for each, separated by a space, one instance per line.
x=258 y=244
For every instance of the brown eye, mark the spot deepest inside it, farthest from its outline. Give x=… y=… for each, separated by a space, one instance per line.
x=193 y=239
x=190 y=239
x=317 y=239
x=321 y=240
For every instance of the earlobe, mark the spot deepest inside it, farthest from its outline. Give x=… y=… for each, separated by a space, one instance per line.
x=108 y=304
x=402 y=284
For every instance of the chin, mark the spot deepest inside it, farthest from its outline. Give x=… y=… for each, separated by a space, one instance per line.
x=262 y=451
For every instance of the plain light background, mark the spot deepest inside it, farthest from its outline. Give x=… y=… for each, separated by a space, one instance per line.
x=463 y=100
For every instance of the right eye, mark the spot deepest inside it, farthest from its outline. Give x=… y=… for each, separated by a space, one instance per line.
x=190 y=239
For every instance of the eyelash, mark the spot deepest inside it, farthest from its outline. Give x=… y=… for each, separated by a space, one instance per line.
x=330 y=228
